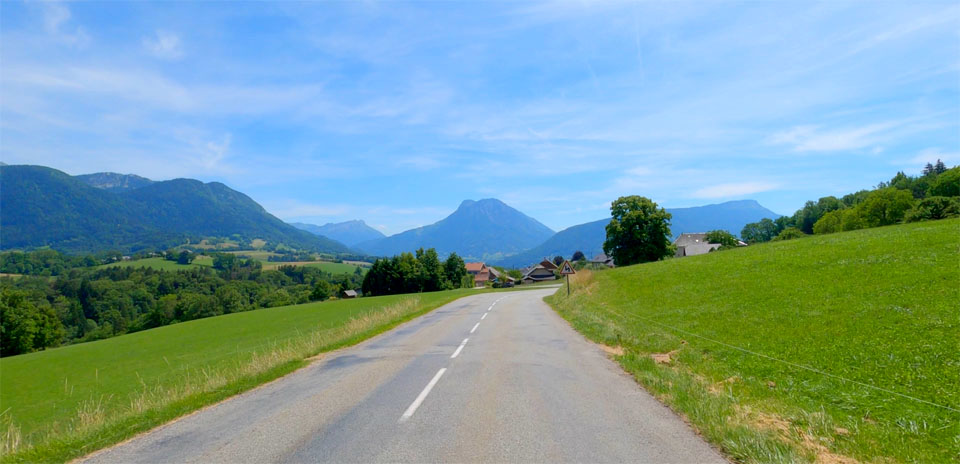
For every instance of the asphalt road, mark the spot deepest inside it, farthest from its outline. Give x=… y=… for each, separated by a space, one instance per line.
x=494 y=377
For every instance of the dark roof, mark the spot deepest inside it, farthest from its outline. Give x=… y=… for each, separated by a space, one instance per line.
x=691 y=239
x=601 y=258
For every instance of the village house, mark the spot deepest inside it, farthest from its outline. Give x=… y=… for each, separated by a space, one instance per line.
x=350 y=294
x=497 y=276
x=539 y=272
x=693 y=244
x=480 y=272
x=547 y=264
x=601 y=260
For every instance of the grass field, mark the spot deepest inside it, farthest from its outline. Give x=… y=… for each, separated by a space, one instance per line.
x=820 y=349
x=257 y=255
x=161 y=264
x=327 y=266
x=65 y=402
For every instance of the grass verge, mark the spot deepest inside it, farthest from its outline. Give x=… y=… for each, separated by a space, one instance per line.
x=838 y=348
x=66 y=402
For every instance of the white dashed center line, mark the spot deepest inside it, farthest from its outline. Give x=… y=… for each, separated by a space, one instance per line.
x=423 y=395
x=426 y=390
x=459 y=348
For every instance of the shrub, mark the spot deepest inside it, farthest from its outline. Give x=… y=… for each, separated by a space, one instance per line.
x=722 y=237
x=934 y=208
x=829 y=223
x=790 y=233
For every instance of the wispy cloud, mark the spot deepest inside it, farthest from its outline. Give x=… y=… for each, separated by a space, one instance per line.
x=815 y=138
x=56 y=22
x=164 y=45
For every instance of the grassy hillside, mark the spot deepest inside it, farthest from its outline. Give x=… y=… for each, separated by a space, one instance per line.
x=827 y=347
x=68 y=401
x=327 y=266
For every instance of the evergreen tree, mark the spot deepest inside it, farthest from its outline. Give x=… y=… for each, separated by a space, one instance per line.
x=939 y=168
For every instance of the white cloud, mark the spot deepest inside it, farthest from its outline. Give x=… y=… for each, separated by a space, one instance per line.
x=164 y=45
x=733 y=189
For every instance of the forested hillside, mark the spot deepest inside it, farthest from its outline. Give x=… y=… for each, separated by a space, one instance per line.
x=46 y=207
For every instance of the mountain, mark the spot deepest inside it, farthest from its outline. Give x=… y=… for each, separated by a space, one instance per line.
x=46 y=207
x=588 y=238
x=113 y=182
x=349 y=233
x=482 y=229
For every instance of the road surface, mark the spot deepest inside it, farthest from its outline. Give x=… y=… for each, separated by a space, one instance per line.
x=494 y=377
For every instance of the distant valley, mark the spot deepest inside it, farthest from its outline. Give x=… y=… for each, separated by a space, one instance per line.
x=349 y=233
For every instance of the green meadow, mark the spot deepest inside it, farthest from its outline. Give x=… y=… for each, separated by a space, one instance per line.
x=65 y=402
x=326 y=266
x=822 y=349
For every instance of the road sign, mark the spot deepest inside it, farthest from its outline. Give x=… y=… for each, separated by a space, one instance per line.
x=567 y=269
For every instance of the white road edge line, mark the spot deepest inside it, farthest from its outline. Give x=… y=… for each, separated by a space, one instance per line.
x=423 y=395
x=459 y=348
x=484 y=316
x=474 y=329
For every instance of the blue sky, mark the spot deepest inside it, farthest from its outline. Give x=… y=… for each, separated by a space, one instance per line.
x=395 y=112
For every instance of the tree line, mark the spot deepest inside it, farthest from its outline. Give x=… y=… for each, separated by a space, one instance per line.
x=409 y=273
x=83 y=304
x=935 y=194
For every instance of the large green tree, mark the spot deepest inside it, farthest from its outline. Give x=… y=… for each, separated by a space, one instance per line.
x=759 y=232
x=638 y=232
x=885 y=206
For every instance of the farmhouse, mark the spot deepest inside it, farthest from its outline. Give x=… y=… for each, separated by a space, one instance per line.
x=601 y=260
x=480 y=272
x=498 y=276
x=538 y=273
x=548 y=265
x=693 y=244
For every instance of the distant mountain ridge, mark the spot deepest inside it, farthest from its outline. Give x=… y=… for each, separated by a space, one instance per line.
x=46 y=207
x=349 y=233
x=588 y=238
x=481 y=229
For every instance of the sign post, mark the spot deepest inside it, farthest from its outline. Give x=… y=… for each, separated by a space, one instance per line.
x=566 y=270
